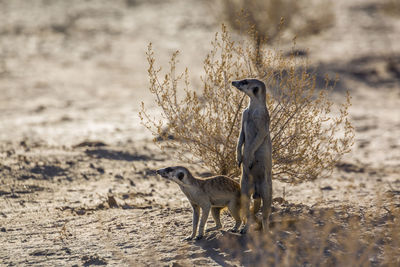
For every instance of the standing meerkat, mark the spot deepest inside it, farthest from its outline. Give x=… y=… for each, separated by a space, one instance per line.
x=257 y=157
x=213 y=193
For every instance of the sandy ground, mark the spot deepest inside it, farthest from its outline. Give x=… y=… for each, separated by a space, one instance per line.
x=77 y=180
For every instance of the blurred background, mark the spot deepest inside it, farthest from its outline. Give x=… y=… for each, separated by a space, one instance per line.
x=85 y=60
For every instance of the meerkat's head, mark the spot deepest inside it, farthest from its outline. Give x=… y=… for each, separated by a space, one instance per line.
x=254 y=88
x=178 y=174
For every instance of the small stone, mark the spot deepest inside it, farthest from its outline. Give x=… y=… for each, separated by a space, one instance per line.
x=112 y=203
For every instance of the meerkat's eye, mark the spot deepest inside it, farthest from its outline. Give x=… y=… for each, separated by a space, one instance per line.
x=180 y=175
x=244 y=82
x=255 y=90
x=169 y=169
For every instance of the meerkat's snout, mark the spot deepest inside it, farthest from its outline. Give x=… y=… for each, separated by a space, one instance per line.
x=175 y=174
x=235 y=84
x=240 y=84
x=164 y=172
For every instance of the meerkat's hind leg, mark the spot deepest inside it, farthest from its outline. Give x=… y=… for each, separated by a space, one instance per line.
x=216 y=213
x=196 y=215
x=266 y=194
x=234 y=209
x=245 y=202
x=255 y=210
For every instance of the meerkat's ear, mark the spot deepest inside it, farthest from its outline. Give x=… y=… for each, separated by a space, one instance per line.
x=255 y=90
x=180 y=175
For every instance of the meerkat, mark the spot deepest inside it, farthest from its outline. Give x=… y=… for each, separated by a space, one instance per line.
x=256 y=177
x=213 y=193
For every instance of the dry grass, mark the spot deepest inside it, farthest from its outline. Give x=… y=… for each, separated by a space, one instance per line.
x=337 y=236
x=307 y=139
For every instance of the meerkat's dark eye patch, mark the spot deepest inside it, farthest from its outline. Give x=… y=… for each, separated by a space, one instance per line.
x=169 y=169
x=244 y=82
x=255 y=90
x=180 y=175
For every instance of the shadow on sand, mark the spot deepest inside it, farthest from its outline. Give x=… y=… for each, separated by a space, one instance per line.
x=115 y=155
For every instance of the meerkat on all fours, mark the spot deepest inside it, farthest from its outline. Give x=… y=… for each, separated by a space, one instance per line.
x=257 y=156
x=208 y=194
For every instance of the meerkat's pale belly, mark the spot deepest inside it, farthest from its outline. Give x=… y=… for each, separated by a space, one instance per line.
x=250 y=134
x=215 y=199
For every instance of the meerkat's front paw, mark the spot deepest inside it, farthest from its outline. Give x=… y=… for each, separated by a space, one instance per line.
x=249 y=161
x=198 y=237
x=251 y=164
x=239 y=160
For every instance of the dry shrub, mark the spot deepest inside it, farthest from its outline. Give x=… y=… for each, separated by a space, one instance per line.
x=307 y=139
x=305 y=17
